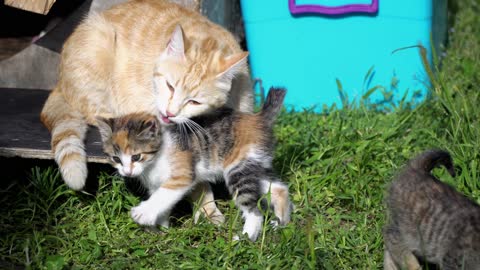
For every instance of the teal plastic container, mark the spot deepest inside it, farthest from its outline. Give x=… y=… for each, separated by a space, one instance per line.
x=307 y=52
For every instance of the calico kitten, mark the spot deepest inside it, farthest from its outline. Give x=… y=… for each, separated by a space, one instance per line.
x=132 y=143
x=223 y=144
x=130 y=58
x=430 y=220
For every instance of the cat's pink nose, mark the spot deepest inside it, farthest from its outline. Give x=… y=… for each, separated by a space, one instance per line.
x=169 y=114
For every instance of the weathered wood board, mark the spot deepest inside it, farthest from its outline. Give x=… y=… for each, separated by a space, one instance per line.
x=23 y=135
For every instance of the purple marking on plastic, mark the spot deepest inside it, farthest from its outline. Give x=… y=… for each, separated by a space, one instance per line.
x=327 y=10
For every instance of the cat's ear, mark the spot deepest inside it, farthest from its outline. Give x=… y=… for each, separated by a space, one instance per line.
x=150 y=129
x=105 y=127
x=232 y=65
x=176 y=45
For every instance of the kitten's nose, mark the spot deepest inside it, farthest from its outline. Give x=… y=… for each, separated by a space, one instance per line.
x=169 y=114
x=127 y=172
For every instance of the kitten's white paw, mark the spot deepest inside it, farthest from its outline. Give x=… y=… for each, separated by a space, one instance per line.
x=217 y=218
x=163 y=221
x=274 y=223
x=253 y=224
x=143 y=214
x=196 y=216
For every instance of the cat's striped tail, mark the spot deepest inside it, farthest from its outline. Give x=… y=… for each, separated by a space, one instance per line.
x=68 y=129
x=430 y=159
x=273 y=104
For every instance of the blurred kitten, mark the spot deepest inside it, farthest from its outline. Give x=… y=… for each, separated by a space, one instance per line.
x=429 y=219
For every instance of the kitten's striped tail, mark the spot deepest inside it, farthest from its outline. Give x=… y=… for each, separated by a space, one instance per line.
x=68 y=129
x=431 y=159
x=273 y=104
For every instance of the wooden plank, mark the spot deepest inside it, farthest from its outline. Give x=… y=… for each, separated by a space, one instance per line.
x=23 y=135
x=38 y=6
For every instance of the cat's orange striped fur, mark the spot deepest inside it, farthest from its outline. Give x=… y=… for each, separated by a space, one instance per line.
x=129 y=59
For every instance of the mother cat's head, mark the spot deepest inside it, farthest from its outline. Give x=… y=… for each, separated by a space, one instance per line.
x=194 y=78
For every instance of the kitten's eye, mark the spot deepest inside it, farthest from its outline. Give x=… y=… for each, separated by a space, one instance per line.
x=116 y=159
x=136 y=157
x=170 y=87
x=194 y=102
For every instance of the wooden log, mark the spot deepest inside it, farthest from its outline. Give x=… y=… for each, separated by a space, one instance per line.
x=23 y=135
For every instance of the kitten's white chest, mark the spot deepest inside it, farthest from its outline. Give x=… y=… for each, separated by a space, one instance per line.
x=160 y=171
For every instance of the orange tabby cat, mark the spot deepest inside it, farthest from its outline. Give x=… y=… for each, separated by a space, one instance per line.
x=132 y=58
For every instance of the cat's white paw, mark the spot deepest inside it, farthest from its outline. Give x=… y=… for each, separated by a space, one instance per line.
x=143 y=214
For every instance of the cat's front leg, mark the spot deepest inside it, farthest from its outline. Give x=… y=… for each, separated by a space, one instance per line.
x=158 y=205
x=164 y=220
x=161 y=201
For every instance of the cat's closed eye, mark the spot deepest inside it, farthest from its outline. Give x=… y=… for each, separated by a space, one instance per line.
x=170 y=87
x=136 y=157
x=194 y=102
x=116 y=159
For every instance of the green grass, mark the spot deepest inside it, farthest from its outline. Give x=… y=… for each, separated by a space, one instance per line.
x=337 y=166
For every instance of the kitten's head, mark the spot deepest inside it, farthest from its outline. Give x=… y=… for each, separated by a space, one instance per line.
x=131 y=141
x=194 y=81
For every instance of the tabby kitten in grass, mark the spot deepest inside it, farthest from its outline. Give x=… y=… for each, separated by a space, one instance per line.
x=223 y=144
x=131 y=58
x=132 y=143
x=430 y=219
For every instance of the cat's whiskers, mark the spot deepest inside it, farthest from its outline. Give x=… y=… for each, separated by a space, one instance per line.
x=194 y=128
x=199 y=132
x=183 y=133
x=193 y=131
x=200 y=128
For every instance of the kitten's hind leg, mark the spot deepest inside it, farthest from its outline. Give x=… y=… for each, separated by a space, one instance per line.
x=242 y=182
x=388 y=263
x=398 y=253
x=253 y=223
x=202 y=193
x=455 y=258
x=282 y=207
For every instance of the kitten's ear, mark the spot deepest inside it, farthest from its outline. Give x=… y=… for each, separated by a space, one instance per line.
x=105 y=127
x=150 y=129
x=232 y=65
x=176 y=46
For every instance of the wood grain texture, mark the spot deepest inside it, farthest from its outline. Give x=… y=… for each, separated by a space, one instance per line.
x=37 y=6
x=23 y=135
